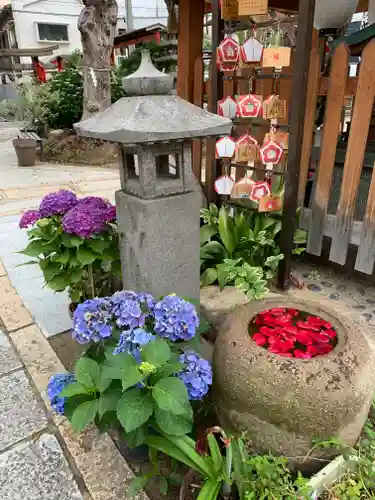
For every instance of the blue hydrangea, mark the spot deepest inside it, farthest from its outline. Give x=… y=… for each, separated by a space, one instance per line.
x=55 y=385
x=175 y=319
x=92 y=321
x=147 y=299
x=132 y=341
x=196 y=375
x=126 y=307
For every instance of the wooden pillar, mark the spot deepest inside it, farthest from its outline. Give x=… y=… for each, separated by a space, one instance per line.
x=215 y=93
x=298 y=107
x=190 y=44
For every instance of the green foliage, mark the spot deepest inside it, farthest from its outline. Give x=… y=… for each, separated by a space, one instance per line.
x=130 y=64
x=260 y=477
x=360 y=482
x=115 y=390
x=67 y=106
x=30 y=106
x=241 y=250
x=87 y=268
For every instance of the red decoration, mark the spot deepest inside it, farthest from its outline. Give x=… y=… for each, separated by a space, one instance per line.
x=227 y=107
x=40 y=72
x=293 y=334
x=229 y=51
x=59 y=63
x=259 y=190
x=249 y=106
x=271 y=152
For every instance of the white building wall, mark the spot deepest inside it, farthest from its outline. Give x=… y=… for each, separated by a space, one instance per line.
x=27 y=13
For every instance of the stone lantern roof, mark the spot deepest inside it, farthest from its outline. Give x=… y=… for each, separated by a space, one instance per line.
x=152 y=114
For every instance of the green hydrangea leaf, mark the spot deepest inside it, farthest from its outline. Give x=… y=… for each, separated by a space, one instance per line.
x=156 y=353
x=134 y=409
x=87 y=372
x=171 y=395
x=83 y=415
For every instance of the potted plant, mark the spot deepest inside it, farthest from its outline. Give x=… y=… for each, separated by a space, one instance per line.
x=29 y=108
x=140 y=374
x=75 y=243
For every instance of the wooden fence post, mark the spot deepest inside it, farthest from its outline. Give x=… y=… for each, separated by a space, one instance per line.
x=362 y=112
x=299 y=93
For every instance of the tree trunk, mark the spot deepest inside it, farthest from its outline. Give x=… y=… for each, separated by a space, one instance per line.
x=97 y=24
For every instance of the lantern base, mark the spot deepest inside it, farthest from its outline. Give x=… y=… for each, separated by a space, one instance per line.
x=159 y=243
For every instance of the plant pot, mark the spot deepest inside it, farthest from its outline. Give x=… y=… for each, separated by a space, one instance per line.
x=285 y=404
x=26 y=151
x=138 y=454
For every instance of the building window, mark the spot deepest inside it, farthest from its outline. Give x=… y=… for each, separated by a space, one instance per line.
x=53 y=32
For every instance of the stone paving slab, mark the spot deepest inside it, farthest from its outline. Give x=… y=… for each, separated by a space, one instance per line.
x=21 y=414
x=12 y=310
x=9 y=360
x=20 y=193
x=49 y=309
x=37 y=470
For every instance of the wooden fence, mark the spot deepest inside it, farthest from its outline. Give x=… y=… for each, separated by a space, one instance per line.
x=342 y=227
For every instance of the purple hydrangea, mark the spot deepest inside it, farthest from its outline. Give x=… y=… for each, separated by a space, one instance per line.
x=98 y=204
x=132 y=341
x=84 y=221
x=92 y=321
x=29 y=218
x=196 y=375
x=127 y=309
x=57 y=203
x=55 y=385
x=175 y=319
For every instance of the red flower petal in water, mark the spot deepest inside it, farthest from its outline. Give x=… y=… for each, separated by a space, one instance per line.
x=277 y=311
x=285 y=354
x=307 y=326
x=319 y=349
x=277 y=345
x=301 y=354
x=331 y=333
x=303 y=338
x=320 y=338
x=260 y=339
x=291 y=329
x=266 y=330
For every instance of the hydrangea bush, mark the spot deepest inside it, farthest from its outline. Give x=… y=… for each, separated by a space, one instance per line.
x=75 y=243
x=140 y=370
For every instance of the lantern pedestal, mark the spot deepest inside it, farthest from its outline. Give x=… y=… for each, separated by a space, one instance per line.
x=158 y=251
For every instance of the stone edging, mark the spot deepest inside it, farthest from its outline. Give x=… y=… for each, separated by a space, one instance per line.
x=96 y=458
x=330 y=474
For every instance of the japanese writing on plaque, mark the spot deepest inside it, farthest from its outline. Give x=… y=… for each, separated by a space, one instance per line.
x=229 y=9
x=252 y=7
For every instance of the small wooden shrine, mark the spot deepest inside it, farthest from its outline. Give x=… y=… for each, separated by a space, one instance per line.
x=272 y=101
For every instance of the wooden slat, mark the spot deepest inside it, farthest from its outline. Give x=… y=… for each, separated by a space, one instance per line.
x=198 y=101
x=331 y=130
x=330 y=225
x=350 y=89
x=308 y=134
x=366 y=251
x=362 y=112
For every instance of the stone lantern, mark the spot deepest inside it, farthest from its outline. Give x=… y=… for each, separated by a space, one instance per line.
x=160 y=199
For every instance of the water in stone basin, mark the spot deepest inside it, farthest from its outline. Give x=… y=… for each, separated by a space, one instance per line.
x=293 y=333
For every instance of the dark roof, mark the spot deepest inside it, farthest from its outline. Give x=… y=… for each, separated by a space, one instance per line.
x=140 y=33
